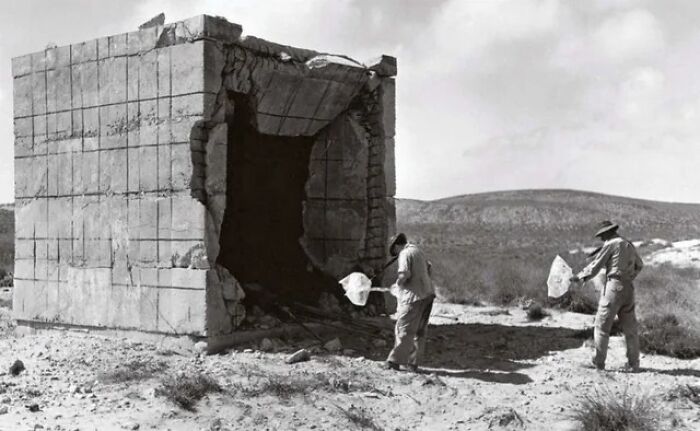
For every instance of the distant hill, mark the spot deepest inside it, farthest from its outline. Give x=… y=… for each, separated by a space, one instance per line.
x=486 y=235
x=527 y=217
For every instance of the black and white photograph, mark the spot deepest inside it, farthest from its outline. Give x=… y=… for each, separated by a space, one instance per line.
x=382 y=215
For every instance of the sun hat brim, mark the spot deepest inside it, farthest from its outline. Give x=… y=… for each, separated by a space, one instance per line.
x=602 y=230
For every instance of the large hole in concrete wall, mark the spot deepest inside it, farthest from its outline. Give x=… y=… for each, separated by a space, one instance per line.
x=262 y=225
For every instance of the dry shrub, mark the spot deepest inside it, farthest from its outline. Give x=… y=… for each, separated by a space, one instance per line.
x=287 y=386
x=664 y=335
x=667 y=303
x=186 y=390
x=690 y=393
x=536 y=312
x=360 y=418
x=607 y=411
x=136 y=370
x=584 y=301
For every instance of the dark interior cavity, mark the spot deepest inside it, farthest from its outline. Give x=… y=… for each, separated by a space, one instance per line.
x=264 y=207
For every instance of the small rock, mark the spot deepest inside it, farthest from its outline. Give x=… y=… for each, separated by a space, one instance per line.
x=349 y=352
x=134 y=426
x=299 y=356
x=17 y=368
x=266 y=345
x=333 y=345
x=33 y=407
x=200 y=347
x=268 y=320
x=6 y=400
x=4 y=410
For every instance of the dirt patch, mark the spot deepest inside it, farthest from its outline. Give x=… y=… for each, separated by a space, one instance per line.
x=485 y=362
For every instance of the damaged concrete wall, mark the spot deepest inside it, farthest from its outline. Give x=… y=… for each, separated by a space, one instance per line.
x=120 y=169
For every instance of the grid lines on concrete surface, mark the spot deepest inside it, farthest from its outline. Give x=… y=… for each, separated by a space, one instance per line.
x=103 y=202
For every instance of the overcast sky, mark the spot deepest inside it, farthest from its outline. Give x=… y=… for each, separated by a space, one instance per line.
x=598 y=95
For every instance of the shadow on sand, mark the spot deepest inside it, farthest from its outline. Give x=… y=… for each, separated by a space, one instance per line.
x=488 y=352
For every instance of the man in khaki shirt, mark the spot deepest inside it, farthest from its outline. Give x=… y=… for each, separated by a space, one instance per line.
x=415 y=295
x=622 y=265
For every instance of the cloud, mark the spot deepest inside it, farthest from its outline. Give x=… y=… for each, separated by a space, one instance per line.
x=598 y=95
x=632 y=35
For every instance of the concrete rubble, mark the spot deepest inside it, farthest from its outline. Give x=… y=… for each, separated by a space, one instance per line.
x=155 y=168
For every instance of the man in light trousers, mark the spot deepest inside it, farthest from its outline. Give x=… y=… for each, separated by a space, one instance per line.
x=415 y=295
x=622 y=265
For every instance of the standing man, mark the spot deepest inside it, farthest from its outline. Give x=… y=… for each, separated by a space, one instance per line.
x=622 y=265
x=415 y=294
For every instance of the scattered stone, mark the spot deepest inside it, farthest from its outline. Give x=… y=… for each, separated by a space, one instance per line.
x=299 y=356
x=266 y=345
x=200 y=347
x=268 y=321
x=6 y=400
x=333 y=345
x=17 y=368
x=4 y=410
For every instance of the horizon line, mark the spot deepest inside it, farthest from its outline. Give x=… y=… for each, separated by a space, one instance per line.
x=523 y=190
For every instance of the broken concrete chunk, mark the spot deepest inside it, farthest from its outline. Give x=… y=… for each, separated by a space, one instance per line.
x=333 y=345
x=384 y=65
x=266 y=345
x=153 y=22
x=298 y=356
x=200 y=347
x=237 y=312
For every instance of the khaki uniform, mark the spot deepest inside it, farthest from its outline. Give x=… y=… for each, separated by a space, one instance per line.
x=622 y=265
x=415 y=301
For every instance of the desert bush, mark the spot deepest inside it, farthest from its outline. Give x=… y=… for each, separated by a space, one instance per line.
x=186 y=390
x=584 y=301
x=690 y=393
x=606 y=411
x=536 y=312
x=136 y=370
x=667 y=304
x=667 y=290
x=286 y=386
x=360 y=418
x=664 y=335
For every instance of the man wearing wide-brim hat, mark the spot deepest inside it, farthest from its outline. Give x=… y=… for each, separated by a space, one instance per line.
x=415 y=295
x=622 y=265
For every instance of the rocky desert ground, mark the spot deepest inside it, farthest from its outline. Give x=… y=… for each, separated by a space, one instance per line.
x=485 y=368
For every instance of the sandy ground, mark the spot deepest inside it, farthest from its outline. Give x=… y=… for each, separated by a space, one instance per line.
x=682 y=254
x=486 y=368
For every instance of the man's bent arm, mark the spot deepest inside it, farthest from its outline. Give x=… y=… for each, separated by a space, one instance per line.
x=596 y=265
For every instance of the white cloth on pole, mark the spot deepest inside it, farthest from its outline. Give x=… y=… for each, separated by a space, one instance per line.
x=357 y=287
x=559 y=280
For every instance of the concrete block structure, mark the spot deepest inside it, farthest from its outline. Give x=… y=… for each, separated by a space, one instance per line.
x=160 y=172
